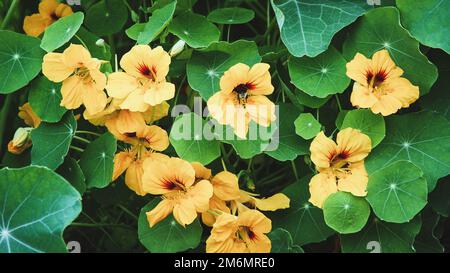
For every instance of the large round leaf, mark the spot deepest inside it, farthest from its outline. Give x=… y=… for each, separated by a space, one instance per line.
x=346 y=213
x=320 y=76
x=367 y=122
x=194 y=29
x=36 y=206
x=156 y=23
x=20 y=60
x=231 y=16
x=382 y=237
x=97 y=161
x=112 y=14
x=45 y=99
x=397 y=192
x=289 y=144
x=428 y=21
x=60 y=32
x=206 y=66
x=190 y=142
x=422 y=138
x=367 y=39
x=51 y=141
x=167 y=236
x=302 y=216
x=307 y=26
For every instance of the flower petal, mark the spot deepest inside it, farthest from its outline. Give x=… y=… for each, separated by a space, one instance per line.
x=185 y=212
x=235 y=75
x=273 y=203
x=200 y=194
x=35 y=24
x=354 y=144
x=320 y=187
x=159 y=93
x=120 y=85
x=356 y=182
x=226 y=186
x=122 y=161
x=54 y=68
x=260 y=79
x=72 y=92
x=322 y=150
x=164 y=208
x=261 y=110
x=156 y=137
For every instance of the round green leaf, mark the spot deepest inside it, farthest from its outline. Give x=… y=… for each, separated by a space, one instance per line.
x=72 y=172
x=320 y=76
x=156 y=23
x=20 y=60
x=45 y=98
x=206 y=66
x=422 y=138
x=367 y=39
x=289 y=144
x=190 y=142
x=282 y=242
x=231 y=16
x=397 y=192
x=381 y=237
x=167 y=236
x=135 y=30
x=346 y=213
x=428 y=21
x=194 y=29
x=367 y=122
x=307 y=126
x=97 y=161
x=307 y=26
x=60 y=32
x=37 y=205
x=51 y=141
x=112 y=14
x=301 y=216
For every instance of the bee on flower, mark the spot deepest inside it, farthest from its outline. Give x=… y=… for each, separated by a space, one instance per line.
x=379 y=85
x=242 y=98
x=49 y=12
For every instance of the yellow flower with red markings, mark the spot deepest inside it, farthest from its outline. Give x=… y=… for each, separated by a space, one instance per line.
x=379 y=85
x=242 y=98
x=82 y=80
x=143 y=83
x=340 y=165
x=49 y=12
x=182 y=194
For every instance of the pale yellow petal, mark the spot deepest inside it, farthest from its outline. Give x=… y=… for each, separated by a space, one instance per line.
x=322 y=150
x=161 y=211
x=226 y=186
x=273 y=203
x=72 y=92
x=159 y=93
x=120 y=85
x=356 y=181
x=320 y=187
x=234 y=76
x=353 y=145
x=261 y=110
x=185 y=212
x=54 y=68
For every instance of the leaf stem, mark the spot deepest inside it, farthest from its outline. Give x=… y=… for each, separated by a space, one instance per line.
x=75 y=148
x=294 y=169
x=127 y=211
x=81 y=41
x=82 y=139
x=9 y=14
x=228 y=32
x=338 y=102
x=87 y=132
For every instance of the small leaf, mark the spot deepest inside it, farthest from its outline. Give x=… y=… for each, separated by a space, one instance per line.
x=397 y=192
x=320 y=76
x=45 y=99
x=61 y=31
x=72 y=172
x=367 y=122
x=307 y=126
x=37 y=205
x=346 y=213
x=282 y=242
x=167 y=236
x=20 y=59
x=190 y=142
x=194 y=29
x=97 y=161
x=156 y=23
x=51 y=141
x=231 y=16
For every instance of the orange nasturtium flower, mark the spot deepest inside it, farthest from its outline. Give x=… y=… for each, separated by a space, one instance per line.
x=49 y=12
x=340 y=165
x=242 y=98
x=146 y=141
x=22 y=140
x=143 y=84
x=82 y=80
x=240 y=234
x=379 y=85
x=182 y=194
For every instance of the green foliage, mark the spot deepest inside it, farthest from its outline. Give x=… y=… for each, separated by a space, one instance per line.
x=59 y=33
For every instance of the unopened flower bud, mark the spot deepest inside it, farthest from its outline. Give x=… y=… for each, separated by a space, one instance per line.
x=21 y=136
x=177 y=48
x=100 y=42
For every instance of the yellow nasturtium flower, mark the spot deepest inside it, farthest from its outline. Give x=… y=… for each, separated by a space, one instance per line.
x=49 y=12
x=242 y=98
x=82 y=80
x=245 y=233
x=29 y=116
x=143 y=84
x=379 y=85
x=340 y=165
x=146 y=141
x=182 y=194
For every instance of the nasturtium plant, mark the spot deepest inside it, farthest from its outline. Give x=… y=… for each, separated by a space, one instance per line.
x=228 y=126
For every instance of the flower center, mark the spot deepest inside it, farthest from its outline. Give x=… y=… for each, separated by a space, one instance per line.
x=245 y=233
x=83 y=73
x=338 y=161
x=374 y=80
x=242 y=92
x=147 y=72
